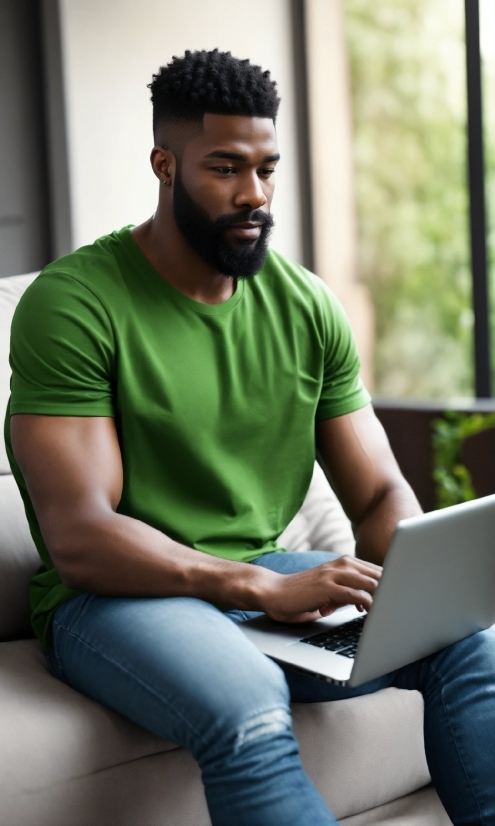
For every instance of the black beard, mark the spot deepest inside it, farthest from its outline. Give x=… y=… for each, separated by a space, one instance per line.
x=206 y=236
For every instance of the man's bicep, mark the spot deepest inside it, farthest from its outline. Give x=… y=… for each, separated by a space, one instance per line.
x=71 y=465
x=356 y=455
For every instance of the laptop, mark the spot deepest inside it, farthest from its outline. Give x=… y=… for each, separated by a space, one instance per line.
x=437 y=587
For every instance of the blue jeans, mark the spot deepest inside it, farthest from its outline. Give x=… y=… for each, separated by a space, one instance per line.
x=182 y=669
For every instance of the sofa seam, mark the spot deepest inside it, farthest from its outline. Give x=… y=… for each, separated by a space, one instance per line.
x=55 y=784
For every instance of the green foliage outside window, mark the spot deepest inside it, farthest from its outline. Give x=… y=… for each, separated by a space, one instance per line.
x=408 y=97
x=453 y=482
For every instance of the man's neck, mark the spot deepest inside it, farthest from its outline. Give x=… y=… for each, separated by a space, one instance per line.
x=161 y=242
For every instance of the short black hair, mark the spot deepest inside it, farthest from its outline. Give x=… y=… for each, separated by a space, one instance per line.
x=212 y=82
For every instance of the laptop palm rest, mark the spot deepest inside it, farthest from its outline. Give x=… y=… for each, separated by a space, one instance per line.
x=281 y=641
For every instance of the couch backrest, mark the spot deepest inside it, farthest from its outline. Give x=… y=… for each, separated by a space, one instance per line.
x=11 y=290
x=18 y=562
x=18 y=556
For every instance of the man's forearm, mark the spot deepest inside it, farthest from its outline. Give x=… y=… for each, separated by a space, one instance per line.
x=115 y=555
x=375 y=531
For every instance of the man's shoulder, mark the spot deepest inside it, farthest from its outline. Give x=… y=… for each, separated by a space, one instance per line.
x=278 y=264
x=92 y=265
x=86 y=282
x=302 y=286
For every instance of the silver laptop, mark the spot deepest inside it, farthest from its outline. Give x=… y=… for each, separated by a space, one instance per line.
x=437 y=587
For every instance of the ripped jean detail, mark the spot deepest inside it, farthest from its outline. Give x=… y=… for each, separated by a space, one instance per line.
x=266 y=724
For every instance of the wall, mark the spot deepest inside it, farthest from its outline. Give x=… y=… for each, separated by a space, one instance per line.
x=24 y=230
x=330 y=120
x=110 y=48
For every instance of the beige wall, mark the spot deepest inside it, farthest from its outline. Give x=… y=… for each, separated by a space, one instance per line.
x=110 y=50
x=334 y=228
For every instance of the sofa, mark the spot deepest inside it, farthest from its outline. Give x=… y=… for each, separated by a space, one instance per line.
x=68 y=761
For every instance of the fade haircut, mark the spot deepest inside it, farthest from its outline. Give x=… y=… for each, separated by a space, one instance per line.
x=211 y=82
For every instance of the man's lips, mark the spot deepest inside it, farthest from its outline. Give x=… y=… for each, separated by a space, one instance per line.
x=245 y=230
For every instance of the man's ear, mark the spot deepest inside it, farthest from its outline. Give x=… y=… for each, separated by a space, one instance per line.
x=163 y=163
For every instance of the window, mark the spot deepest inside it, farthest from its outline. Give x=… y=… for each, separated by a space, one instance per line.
x=408 y=85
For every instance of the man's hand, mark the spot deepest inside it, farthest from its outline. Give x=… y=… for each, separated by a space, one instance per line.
x=320 y=591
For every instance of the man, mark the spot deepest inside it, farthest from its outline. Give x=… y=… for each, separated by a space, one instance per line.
x=170 y=386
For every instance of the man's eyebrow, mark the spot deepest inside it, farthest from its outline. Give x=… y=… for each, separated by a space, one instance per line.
x=237 y=156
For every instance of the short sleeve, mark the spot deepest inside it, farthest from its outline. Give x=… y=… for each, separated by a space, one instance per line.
x=342 y=389
x=61 y=350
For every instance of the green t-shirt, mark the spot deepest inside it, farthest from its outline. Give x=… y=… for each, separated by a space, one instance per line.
x=215 y=405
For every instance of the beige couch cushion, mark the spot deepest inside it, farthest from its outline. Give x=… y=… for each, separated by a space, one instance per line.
x=50 y=732
x=422 y=808
x=52 y=735
x=320 y=524
x=165 y=790
x=11 y=290
x=18 y=561
x=343 y=743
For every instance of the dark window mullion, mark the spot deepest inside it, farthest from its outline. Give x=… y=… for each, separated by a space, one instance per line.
x=477 y=208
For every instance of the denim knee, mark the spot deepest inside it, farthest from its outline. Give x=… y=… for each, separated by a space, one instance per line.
x=472 y=657
x=259 y=712
x=481 y=645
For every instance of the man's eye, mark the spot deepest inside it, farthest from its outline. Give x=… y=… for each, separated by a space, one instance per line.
x=266 y=172
x=225 y=170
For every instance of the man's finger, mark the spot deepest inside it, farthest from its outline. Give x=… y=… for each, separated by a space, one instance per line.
x=375 y=570
x=356 y=580
x=357 y=598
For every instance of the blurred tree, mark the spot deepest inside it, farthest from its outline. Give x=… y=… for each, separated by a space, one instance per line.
x=407 y=67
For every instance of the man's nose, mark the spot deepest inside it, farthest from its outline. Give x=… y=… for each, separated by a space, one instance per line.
x=251 y=193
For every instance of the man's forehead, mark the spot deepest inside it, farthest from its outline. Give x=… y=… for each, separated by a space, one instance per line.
x=235 y=135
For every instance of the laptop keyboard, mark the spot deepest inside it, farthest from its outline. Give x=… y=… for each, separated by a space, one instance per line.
x=341 y=640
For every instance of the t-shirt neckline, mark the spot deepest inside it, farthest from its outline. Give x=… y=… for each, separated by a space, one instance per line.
x=144 y=265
